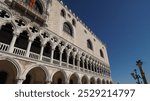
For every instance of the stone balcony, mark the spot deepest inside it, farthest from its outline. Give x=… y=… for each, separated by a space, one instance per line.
x=26 y=10
x=17 y=52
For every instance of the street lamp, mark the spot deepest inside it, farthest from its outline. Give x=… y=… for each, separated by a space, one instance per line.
x=136 y=76
x=139 y=64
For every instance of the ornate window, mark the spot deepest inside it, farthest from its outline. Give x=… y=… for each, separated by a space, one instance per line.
x=35 y=4
x=68 y=28
x=89 y=44
x=101 y=53
x=64 y=56
x=6 y=32
x=47 y=50
x=22 y=40
x=36 y=45
x=57 y=53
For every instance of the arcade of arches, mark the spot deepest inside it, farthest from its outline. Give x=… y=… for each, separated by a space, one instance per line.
x=10 y=73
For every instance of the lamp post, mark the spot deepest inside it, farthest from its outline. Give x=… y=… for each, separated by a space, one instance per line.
x=136 y=76
x=139 y=64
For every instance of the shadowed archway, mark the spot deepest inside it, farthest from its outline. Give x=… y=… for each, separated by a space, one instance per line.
x=59 y=78
x=35 y=76
x=74 y=79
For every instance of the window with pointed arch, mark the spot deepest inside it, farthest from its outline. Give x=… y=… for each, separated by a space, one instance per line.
x=89 y=44
x=101 y=53
x=68 y=28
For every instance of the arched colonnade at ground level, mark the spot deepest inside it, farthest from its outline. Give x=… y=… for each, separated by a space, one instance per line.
x=13 y=72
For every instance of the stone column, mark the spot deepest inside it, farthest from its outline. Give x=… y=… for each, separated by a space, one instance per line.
x=91 y=66
x=78 y=62
x=60 y=60
x=41 y=53
x=73 y=62
x=67 y=81
x=87 y=63
x=67 y=59
x=11 y=47
x=52 y=55
x=28 y=48
x=83 y=62
x=79 y=81
x=94 y=66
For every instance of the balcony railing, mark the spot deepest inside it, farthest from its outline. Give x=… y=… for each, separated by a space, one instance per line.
x=4 y=47
x=46 y=59
x=21 y=52
x=34 y=55
x=76 y=67
x=64 y=64
x=70 y=66
x=56 y=61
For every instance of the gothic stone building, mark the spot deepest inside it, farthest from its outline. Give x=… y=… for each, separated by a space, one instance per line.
x=42 y=41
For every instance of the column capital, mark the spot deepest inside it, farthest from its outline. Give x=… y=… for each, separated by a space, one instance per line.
x=31 y=39
x=17 y=32
x=68 y=51
x=42 y=44
x=87 y=59
x=53 y=47
x=83 y=57
x=62 y=48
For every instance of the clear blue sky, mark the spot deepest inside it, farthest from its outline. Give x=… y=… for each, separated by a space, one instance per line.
x=124 y=25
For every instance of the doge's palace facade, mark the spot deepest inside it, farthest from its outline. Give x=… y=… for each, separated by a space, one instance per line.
x=44 y=42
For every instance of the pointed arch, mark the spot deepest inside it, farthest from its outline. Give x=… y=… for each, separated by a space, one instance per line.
x=36 y=45
x=81 y=62
x=76 y=60
x=57 y=53
x=47 y=49
x=67 y=27
x=22 y=40
x=71 y=58
x=6 y=32
x=85 y=64
x=64 y=56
